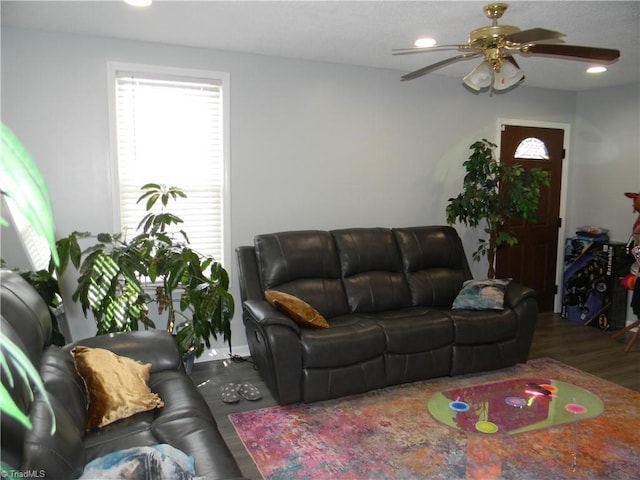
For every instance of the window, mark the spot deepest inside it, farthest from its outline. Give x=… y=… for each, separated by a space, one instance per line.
x=532 y=148
x=170 y=128
x=35 y=246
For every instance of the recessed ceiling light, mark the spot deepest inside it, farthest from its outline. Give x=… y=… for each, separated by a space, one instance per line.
x=139 y=3
x=598 y=69
x=424 y=42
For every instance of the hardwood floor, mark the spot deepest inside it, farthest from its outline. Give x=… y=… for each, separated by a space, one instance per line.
x=586 y=348
x=210 y=377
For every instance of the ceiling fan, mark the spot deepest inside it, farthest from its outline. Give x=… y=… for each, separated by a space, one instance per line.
x=497 y=44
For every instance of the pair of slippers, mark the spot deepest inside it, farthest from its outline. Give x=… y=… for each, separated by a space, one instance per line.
x=231 y=392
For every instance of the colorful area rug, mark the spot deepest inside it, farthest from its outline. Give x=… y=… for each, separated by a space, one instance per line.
x=389 y=434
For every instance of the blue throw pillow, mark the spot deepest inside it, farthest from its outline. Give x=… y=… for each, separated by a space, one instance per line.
x=158 y=462
x=482 y=295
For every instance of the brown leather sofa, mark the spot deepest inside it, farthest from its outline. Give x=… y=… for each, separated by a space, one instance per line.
x=185 y=422
x=387 y=295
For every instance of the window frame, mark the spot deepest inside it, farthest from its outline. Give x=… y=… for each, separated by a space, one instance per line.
x=185 y=73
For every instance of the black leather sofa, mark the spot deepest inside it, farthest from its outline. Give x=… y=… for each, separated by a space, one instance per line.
x=185 y=422
x=387 y=295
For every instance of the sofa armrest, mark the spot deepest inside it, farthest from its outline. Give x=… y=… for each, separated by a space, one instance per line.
x=522 y=300
x=263 y=313
x=517 y=293
x=274 y=342
x=156 y=347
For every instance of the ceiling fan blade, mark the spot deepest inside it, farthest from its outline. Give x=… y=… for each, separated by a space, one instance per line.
x=512 y=60
x=409 y=51
x=434 y=66
x=588 y=53
x=533 y=35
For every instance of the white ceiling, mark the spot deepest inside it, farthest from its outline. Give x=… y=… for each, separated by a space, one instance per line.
x=355 y=32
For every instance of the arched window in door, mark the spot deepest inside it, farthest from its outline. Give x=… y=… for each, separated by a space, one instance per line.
x=532 y=148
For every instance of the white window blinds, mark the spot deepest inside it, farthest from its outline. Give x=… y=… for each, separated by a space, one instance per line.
x=170 y=131
x=35 y=245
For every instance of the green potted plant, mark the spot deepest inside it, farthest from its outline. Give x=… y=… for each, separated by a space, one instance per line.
x=493 y=192
x=120 y=277
x=46 y=284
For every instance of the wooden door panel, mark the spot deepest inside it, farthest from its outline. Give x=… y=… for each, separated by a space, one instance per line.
x=533 y=261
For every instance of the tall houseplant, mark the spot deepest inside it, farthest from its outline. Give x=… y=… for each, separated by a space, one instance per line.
x=493 y=192
x=120 y=277
x=47 y=286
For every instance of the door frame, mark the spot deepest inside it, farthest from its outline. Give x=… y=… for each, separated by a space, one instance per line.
x=557 y=302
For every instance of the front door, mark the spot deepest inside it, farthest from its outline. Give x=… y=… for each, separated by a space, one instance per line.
x=532 y=262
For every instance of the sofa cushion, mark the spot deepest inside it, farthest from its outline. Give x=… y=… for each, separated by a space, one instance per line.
x=163 y=356
x=125 y=433
x=434 y=262
x=415 y=329
x=304 y=264
x=58 y=451
x=350 y=340
x=298 y=310
x=476 y=327
x=62 y=381
x=180 y=397
x=116 y=385
x=202 y=441
x=371 y=269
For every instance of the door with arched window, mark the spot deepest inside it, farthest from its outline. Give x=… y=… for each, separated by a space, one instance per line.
x=532 y=261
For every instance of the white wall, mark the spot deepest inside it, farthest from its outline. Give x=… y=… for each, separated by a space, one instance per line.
x=313 y=145
x=606 y=152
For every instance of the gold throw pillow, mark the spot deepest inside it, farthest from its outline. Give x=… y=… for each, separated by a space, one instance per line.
x=298 y=310
x=116 y=385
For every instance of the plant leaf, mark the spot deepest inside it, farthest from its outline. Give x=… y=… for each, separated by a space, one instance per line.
x=8 y=407
x=23 y=184
x=26 y=369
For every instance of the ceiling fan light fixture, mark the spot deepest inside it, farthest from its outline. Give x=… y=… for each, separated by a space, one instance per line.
x=138 y=3
x=425 y=42
x=597 y=69
x=480 y=77
x=507 y=76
